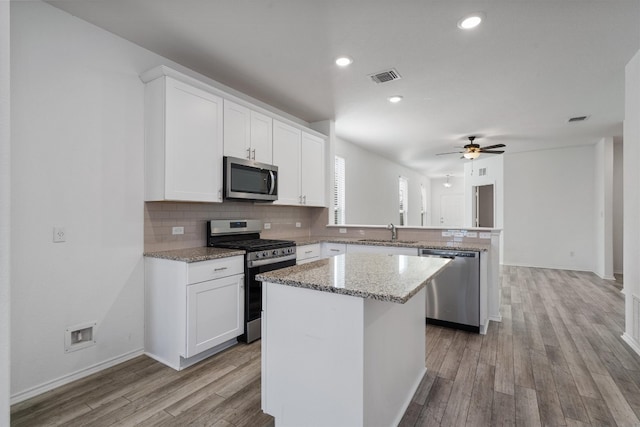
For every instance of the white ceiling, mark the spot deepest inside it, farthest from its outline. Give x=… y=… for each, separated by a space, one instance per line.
x=516 y=79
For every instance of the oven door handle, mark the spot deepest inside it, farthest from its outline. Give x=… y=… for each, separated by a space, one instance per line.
x=261 y=262
x=272 y=182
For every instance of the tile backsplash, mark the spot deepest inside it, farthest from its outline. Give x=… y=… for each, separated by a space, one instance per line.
x=161 y=217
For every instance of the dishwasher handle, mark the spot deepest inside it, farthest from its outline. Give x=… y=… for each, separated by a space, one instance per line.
x=438 y=256
x=451 y=254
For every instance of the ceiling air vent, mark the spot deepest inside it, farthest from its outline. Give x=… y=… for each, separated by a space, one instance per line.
x=385 y=76
x=578 y=119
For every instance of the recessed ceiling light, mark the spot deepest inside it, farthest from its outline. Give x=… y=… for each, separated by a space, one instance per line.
x=343 y=61
x=395 y=99
x=471 y=21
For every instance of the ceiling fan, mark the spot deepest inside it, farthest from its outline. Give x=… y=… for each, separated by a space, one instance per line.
x=473 y=150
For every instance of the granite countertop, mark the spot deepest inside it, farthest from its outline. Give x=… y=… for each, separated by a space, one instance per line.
x=195 y=254
x=393 y=278
x=419 y=244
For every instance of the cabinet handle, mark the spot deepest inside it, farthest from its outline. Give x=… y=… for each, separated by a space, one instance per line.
x=220 y=269
x=304 y=200
x=334 y=250
x=300 y=199
x=219 y=194
x=249 y=153
x=307 y=252
x=253 y=154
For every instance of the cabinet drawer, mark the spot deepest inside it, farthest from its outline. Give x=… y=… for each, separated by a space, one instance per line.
x=214 y=269
x=307 y=251
x=332 y=249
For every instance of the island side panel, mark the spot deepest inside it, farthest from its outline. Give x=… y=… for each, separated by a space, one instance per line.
x=394 y=351
x=312 y=357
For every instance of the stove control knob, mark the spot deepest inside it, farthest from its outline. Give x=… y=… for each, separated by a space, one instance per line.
x=265 y=254
x=274 y=252
x=257 y=255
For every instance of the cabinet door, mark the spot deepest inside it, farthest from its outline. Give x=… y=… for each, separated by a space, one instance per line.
x=237 y=130
x=261 y=138
x=193 y=144
x=312 y=170
x=286 y=155
x=214 y=313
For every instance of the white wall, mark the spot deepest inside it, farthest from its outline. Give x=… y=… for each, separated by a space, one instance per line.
x=5 y=191
x=77 y=162
x=549 y=215
x=618 y=206
x=631 y=199
x=371 y=187
x=603 y=227
x=438 y=190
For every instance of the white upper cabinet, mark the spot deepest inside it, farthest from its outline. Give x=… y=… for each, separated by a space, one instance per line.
x=286 y=155
x=183 y=142
x=300 y=160
x=261 y=138
x=248 y=134
x=312 y=170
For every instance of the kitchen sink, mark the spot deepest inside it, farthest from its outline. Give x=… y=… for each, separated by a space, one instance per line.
x=387 y=241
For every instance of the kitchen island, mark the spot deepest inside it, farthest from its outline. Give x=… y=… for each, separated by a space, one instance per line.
x=343 y=339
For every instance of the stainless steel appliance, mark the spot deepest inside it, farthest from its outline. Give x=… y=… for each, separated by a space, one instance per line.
x=246 y=179
x=453 y=296
x=262 y=255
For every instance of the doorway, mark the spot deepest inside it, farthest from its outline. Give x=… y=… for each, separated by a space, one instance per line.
x=451 y=210
x=483 y=206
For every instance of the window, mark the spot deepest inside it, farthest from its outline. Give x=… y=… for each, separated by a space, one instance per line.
x=403 y=192
x=338 y=191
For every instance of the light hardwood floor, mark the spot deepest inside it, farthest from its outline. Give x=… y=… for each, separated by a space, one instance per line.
x=556 y=359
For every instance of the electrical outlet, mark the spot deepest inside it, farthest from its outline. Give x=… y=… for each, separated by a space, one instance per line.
x=298 y=225
x=59 y=235
x=267 y=226
x=177 y=230
x=342 y=230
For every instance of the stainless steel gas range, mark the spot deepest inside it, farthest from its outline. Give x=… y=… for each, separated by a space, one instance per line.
x=262 y=255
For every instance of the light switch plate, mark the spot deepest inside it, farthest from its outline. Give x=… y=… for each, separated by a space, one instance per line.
x=267 y=226
x=485 y=235
x=343 y=230
x=177 y=230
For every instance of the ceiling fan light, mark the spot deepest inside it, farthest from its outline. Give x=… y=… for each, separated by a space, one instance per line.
x=471 y=155
x=447 y=184
x=470 y=21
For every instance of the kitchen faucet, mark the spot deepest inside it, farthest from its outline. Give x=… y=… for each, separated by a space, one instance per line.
x=394 y=232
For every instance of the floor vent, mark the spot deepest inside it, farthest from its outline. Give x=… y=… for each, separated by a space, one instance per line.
x=385 y=76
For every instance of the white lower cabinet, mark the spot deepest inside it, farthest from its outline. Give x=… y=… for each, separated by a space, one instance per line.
x=192 y=310
x=213 y=313
x=333 y=249
x=308 y=253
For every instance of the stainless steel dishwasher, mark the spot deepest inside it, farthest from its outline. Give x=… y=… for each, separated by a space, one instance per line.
x=453 y=296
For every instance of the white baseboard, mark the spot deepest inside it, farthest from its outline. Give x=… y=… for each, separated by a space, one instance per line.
x=66 y=379
x=605 y=277
x=632 y=343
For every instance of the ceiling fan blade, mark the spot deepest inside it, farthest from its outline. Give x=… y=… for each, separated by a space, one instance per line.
x=489 y=147
x=452 y=152
x=492 y=151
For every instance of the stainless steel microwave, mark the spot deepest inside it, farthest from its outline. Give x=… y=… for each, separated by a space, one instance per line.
x=246 y=179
